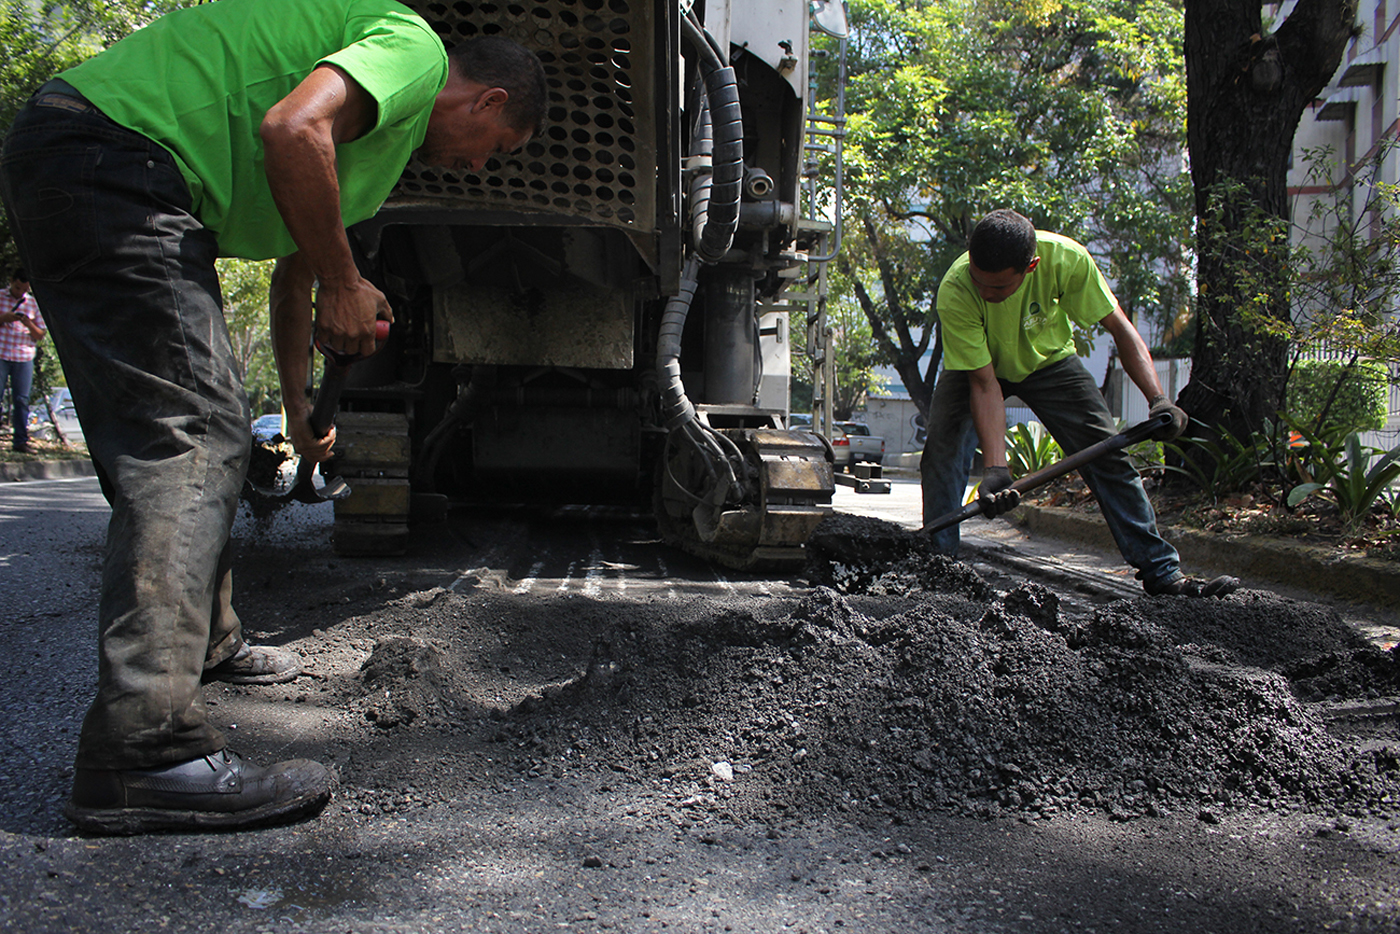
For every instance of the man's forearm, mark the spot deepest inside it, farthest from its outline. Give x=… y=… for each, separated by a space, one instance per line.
x=1133 y=354
x=299 y=136
x=988 y=416
x=291 y=322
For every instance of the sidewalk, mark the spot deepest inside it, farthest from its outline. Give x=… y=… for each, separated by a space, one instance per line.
x=1365 y=591
x=1307 y=567
x=45 y=470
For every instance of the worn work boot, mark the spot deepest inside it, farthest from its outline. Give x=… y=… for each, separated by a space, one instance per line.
x=1179 y=585
x=220 y=791
x=256 y=664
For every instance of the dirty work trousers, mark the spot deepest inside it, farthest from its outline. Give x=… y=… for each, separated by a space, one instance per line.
x=125 y=275
x=1068 y=403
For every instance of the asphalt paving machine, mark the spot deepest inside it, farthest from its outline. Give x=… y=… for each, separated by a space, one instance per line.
x=604 y=316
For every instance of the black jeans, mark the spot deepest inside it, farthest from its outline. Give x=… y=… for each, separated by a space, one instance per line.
x=125 y=275
x=1068 y=403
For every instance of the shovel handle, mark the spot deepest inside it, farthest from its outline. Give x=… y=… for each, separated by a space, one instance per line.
x=333 y=381
x=322 y=419
x=1128 y=436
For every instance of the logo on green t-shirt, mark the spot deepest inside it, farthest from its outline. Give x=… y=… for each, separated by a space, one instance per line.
x=1034 y=319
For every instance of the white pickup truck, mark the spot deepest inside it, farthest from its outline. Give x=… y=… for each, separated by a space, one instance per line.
x=854 y=444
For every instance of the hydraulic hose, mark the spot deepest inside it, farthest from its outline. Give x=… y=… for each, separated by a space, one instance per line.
x=726 y=122
x=676 y=409
x=714 y=201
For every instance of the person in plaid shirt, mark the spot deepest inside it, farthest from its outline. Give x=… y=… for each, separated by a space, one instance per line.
x=21 y=329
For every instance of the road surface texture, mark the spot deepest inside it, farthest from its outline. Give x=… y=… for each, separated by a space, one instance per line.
x=547 y=720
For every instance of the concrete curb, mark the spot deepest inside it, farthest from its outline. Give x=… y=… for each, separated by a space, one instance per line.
x=46 y=470
x=1322 y=570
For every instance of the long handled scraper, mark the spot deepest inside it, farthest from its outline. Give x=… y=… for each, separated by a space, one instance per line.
x=1125 y=438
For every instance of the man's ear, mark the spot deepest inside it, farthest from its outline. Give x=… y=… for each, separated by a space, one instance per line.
x=1033 y=264
x=490 y=99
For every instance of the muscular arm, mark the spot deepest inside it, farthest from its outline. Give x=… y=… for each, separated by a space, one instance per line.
x=299 y=135
x=290 y=299
x=1133 y=352
x=988 y=415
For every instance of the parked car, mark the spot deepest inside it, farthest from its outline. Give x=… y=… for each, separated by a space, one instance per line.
x=854 y=444
x=267 y=429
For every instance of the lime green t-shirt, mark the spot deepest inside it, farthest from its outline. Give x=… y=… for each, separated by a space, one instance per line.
x=199 y=81
x=1032 y=328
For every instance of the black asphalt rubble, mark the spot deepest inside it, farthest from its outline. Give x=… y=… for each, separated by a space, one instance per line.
x=905 y=682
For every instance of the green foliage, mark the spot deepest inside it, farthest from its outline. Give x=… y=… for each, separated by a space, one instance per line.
x=1146 y=456
x=1345 y=471
x=1336 y=398
x=856 y=358
x=245 y=285
x=1221 y=463
x=1029 y=448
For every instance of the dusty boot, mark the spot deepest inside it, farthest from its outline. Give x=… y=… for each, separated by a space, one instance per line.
x=256 y=664
x=1179 y=585
x=220 y=791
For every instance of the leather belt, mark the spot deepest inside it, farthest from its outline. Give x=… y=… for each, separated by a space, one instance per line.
x=66 y=102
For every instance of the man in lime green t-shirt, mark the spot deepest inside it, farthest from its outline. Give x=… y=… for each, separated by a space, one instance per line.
x=1007 y=309
x=252 y=128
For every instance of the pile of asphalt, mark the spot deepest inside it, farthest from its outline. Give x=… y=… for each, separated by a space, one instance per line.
x=904 y=682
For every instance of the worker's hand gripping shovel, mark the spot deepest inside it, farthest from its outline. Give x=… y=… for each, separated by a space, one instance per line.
x=1129 y=436
x=322 y=418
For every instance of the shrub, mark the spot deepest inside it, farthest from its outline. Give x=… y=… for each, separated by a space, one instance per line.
x=1359 y=402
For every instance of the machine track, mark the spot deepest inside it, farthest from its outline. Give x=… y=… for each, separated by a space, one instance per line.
x=790 y=485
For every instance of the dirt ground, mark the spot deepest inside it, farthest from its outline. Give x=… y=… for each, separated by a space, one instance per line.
x=557 y=723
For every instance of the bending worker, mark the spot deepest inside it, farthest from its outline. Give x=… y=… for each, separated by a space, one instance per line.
x=1007 y=307
x=250 y=128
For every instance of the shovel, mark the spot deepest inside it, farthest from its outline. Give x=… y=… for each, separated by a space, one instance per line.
x=1129 y=436
x=322 y=417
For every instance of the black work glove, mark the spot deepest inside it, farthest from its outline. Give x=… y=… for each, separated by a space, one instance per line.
x=995 y=495
x=1173 y=431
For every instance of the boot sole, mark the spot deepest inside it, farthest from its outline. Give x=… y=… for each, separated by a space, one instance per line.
x=125 y=822
x=277 y=677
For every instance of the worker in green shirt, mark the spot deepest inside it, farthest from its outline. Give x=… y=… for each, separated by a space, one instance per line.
x=1007 y=308
x=250 y=128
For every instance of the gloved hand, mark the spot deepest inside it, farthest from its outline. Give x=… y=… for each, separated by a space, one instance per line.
x=995 y=495
x=1173 y=431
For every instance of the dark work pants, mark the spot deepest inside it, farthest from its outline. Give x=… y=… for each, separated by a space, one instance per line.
x=1068 y=403
x=125 y=275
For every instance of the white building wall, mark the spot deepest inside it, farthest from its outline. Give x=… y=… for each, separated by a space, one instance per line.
x=1354 y=116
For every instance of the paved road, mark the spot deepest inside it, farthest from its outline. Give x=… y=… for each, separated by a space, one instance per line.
x=508 y=857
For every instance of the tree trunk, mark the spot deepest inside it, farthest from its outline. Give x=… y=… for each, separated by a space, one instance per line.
x=1246 y=91
x=896 y=325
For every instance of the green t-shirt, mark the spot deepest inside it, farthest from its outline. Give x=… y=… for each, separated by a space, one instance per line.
x=199 y=81
x=1032 y=328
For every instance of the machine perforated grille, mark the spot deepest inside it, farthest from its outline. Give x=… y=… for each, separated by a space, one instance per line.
x=596 y=159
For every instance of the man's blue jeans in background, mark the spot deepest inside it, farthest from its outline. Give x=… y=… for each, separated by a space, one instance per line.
x=1068 y=403
x=125 y=275
x=19 y=374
